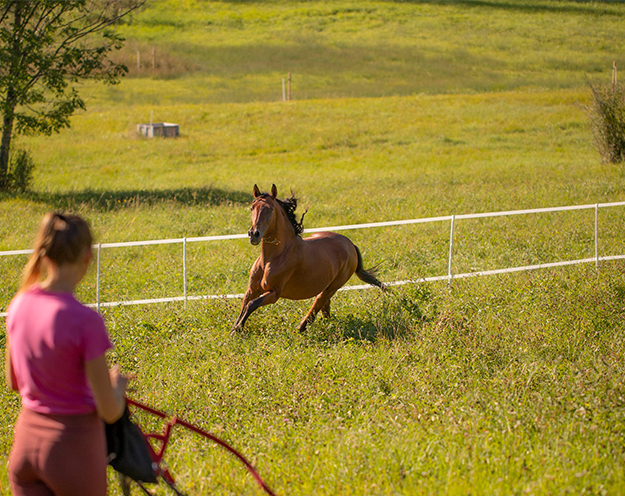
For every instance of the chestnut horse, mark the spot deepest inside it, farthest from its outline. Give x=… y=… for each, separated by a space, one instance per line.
x=295 y=268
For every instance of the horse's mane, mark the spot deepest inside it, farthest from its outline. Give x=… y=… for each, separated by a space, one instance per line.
x=289 y=205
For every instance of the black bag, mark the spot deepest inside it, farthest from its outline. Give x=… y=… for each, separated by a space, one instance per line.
x=128 y=451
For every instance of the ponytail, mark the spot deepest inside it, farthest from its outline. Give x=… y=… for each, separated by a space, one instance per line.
x=62 y=239
x=32 y=271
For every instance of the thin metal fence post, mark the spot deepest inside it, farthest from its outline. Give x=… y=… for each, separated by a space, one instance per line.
x=596 y=235
x=184 y=269
x=97 y=286
x=451 y=248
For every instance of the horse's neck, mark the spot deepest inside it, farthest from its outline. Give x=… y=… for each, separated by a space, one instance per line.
x=279 y=238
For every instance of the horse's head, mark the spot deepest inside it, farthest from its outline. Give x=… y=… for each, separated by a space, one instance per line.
x=263 y=208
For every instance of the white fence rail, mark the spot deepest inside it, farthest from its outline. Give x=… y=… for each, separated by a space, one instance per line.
x=450 y=276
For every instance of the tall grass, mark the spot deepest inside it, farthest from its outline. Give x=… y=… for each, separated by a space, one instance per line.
x=504 y=385
x=607 y=114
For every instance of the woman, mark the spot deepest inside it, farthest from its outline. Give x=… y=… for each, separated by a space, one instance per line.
x=55 y=358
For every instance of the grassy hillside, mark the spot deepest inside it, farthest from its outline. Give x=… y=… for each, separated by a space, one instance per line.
x=240 y=51
x=498 y=385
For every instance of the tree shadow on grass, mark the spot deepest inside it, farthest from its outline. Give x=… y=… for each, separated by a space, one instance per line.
x=358 y=328
x=110 y=201
x=397 y=315
x=582 y=7
x=351 y=327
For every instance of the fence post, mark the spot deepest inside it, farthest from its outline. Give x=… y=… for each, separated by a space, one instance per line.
x=184 y=269
x=451 y=249
x=289 y=92
x=97 y=284
x=596 y=235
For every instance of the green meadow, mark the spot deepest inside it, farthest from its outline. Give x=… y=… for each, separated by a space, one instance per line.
x=508 y=384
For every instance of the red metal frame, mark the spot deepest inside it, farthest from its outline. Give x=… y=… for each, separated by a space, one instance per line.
x=164 y=440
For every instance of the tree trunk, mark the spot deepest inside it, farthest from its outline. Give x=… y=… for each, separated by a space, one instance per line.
x=10 y=103
x=5 y=149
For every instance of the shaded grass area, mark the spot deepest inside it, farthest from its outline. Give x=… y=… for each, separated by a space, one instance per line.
x=499 y=385
x=107 y=201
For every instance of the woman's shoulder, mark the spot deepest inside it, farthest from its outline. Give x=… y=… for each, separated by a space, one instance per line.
x=21 y=298
x=83 y=311
x=86 y=323
x=51 y=303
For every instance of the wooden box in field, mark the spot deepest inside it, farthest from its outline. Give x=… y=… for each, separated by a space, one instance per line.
x=162 y=129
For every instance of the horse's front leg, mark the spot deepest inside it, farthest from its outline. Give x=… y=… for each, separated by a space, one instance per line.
x=253 y=291
x=266 y=298
x=249 y=295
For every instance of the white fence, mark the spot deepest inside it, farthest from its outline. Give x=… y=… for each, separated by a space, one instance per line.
x=450 y=276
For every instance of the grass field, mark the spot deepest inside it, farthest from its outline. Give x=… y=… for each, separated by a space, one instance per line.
x=498 y=385
x=240 y=51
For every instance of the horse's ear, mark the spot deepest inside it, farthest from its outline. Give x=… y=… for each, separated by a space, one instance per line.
x=256 y=191
x=274 y=190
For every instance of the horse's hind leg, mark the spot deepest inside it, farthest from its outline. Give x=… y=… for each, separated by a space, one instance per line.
x=325 y=311
x=321 y=303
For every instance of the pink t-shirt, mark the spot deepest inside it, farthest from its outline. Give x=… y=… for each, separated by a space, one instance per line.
x=52 y=336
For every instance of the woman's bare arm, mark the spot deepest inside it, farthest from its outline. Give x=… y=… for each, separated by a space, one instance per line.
x=9 y=373
x=109 y=388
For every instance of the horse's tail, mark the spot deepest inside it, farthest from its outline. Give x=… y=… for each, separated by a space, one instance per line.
x=368 y=276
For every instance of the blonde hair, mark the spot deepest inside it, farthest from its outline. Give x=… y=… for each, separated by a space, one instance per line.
x=62 y=238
